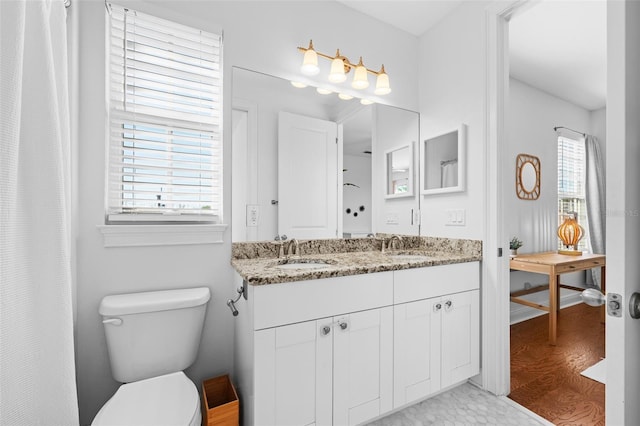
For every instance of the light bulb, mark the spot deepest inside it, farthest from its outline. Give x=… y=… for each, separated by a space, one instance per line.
x=337 y=75
x=382 y=83
x=366 y=101
x=360 y=78
x=345 y=97
x=310 y=61
x=298 y=85
x=323 y=91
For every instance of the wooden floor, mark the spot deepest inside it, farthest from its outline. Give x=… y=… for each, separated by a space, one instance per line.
x=546 y=379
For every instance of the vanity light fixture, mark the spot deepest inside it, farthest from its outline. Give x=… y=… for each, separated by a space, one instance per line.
x=366 y=101
x=323 y=91
x=341 y=66
x=570 y=233
x=345 y=97
x=298 y=85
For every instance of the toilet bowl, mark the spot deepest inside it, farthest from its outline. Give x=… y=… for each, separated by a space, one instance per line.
x=168 y=400
x=152 y=337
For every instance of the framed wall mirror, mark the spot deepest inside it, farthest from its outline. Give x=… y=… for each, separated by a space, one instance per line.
x=443 y=162
x=265 y=194
x=527 y=177
x=399 y=171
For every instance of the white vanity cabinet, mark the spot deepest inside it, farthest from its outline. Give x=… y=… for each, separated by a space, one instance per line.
x=317 y=352
x=345 y=350
x=335 y=370
x=436 y=329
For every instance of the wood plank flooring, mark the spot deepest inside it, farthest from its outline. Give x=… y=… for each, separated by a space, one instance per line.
x=546 y=379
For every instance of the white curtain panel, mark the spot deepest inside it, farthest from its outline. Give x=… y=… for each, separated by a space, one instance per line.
x=595 y=197
x=37 y=373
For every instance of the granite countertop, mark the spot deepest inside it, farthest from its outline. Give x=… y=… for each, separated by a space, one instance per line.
x=258 y=263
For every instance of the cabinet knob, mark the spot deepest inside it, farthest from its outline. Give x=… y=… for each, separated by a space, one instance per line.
x=447 y=305
x=326 y=330
x=343 y=325
x=437 y=307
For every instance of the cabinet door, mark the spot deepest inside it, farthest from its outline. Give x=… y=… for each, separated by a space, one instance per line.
x=363 y=366
x=416 y=333
x=460 y=337
x=293 y=373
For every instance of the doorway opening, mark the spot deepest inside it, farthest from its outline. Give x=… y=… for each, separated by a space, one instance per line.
x=556 y=83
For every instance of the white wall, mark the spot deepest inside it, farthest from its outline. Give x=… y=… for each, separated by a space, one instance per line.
x=452 y=90
x=531 y=117
x=258 y=35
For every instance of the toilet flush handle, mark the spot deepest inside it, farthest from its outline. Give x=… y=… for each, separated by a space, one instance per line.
x=114 y=321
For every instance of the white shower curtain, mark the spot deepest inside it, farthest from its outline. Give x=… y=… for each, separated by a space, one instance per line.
x=449 y=174
x=595 y=198
x=37 y=373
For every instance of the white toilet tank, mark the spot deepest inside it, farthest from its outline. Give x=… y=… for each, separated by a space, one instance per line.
x=153 y=333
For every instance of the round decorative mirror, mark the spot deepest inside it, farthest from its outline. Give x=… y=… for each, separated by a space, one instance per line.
x=527 y=177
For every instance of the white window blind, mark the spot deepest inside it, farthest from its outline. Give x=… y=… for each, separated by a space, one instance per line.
x=165 y=108
x=571 y=184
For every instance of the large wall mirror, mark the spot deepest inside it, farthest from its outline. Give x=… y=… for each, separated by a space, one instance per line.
x=302 y=161
x=443 y=162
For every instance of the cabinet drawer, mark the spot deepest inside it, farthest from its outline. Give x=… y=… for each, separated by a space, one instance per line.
x=287 y=303
x=434 y=281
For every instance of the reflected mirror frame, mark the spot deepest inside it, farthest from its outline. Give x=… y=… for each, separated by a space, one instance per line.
x=387 y=168
x=462 y=163
x=522 y=192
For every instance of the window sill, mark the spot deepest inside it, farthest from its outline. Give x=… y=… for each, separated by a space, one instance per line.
x=161 y=235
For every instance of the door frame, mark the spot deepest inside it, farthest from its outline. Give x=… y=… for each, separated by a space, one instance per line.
x=496 y=359
x=622 y=134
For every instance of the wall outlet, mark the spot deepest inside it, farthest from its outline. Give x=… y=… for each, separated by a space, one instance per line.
x=455 y=217
x=393 y=219
x=253 y=214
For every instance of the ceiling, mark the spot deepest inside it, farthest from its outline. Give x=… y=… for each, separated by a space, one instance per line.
x=556 y=46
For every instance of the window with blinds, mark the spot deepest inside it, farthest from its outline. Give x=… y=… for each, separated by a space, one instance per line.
x=165 y=127
x=571 y=184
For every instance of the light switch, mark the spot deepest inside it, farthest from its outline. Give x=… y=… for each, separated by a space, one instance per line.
x=455 y=217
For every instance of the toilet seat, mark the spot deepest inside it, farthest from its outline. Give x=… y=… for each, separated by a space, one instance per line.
x=171 y=400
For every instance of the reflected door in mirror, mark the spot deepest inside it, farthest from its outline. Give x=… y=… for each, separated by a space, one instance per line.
x=307 y=177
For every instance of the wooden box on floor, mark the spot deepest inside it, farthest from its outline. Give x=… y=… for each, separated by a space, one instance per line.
x=220 y=405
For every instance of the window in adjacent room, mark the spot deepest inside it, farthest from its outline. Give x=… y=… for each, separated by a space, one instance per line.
x=571 y=184
x=164 y=84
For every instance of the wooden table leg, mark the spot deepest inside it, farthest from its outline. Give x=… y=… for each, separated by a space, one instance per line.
x=553 y=306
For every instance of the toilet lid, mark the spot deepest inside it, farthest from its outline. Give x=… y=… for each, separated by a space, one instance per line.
x=171 y=399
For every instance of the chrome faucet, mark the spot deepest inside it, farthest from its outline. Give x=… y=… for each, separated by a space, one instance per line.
x=296 y=247
x=393 y=238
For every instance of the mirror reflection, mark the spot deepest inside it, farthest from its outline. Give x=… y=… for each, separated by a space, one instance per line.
x=528 y=177
x=444 y=162
x=399 y=169
x=289 y=175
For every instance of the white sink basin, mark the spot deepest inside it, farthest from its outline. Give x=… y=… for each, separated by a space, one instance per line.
x=302 y=265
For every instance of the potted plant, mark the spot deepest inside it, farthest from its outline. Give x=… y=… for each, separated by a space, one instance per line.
x=514 y=245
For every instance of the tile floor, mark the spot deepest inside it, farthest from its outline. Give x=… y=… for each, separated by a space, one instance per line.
x=462 y=405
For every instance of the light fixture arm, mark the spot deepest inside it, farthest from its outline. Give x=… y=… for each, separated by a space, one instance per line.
x=347 y=63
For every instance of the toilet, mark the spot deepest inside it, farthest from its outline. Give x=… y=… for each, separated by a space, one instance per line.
x=152 y=337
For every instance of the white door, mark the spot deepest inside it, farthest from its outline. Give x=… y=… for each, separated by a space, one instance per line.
x=416 y=334
x=623 y=217
x=460 y=337
x=293 y=375
x=363 y=366
x=307 y=177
